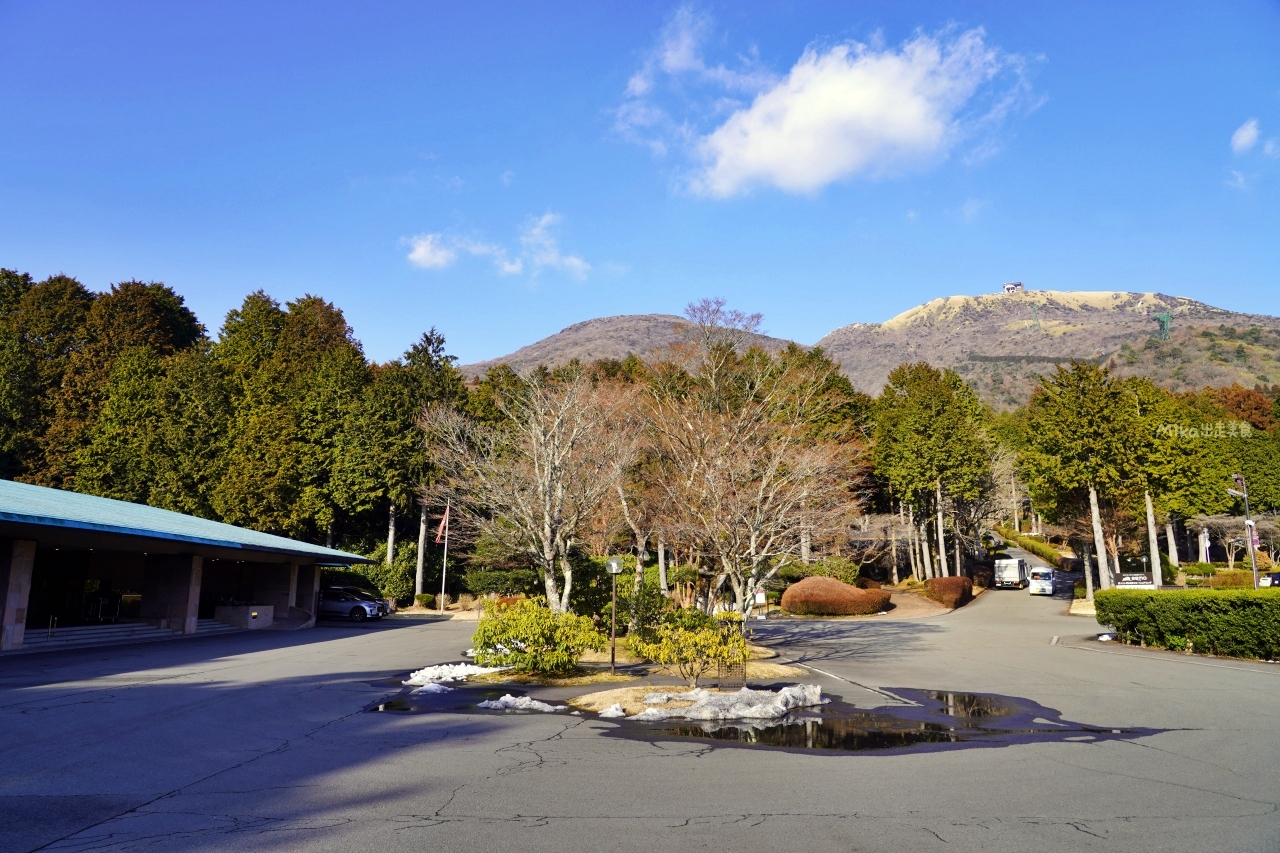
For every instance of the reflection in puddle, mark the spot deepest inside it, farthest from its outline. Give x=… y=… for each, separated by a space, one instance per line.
x=937 y=720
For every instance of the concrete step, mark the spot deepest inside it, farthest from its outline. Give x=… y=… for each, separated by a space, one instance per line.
x=89 y=636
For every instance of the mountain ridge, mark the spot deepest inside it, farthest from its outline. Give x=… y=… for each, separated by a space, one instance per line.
x=1000 y=343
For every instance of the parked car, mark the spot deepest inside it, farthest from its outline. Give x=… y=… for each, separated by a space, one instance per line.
x=1271 y=579
x=384 y=605
x=340 y=604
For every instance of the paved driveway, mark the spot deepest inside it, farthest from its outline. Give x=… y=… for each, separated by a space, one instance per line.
x=259 y=742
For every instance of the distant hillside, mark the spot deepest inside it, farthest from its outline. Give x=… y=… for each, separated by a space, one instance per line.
x=606 y=337
x=1000 y=343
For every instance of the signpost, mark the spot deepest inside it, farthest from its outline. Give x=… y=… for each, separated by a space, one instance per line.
x=614 y=567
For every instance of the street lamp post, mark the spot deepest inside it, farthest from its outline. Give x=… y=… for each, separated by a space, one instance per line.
x=614 y=566
x=1249 y=526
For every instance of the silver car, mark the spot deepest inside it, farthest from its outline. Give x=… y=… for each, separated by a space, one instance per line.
x=340 y=604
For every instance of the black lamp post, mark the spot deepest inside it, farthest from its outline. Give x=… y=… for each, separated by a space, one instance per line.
x=614 y=567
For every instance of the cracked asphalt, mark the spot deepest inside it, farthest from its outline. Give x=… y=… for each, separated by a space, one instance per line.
x=259 y=741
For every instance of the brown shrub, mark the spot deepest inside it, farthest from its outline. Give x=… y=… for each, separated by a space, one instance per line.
x=818 y=596
x=983 y=577
x=866 y=583
x=949 y=592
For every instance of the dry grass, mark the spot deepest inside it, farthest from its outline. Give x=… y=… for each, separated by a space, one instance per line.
x=568 y=679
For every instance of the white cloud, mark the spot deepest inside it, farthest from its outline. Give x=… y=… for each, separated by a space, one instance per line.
x=542 y=249
x=539 y=249
x=972 y=208
x=1245 y=137
x=679 y=51
x=1271 y=148
x=851 y=110
x=429 y=251
x=1238 y=180
x=504 y=263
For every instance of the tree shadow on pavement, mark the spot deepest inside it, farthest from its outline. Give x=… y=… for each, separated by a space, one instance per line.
x=814 y=641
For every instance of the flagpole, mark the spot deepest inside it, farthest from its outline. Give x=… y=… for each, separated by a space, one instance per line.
x=444 y=564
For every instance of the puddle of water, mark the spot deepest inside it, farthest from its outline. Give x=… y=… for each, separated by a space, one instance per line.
x=936 y=720
x=459 y=699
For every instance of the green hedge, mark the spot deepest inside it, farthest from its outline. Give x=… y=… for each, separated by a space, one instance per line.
x=1043 y=550
x=1236 y=623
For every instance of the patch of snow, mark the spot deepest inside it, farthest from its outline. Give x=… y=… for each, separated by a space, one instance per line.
x=746 y=704
x=433 y=687
x=614 y=710
x=520 y=703
x=1106 y=638
x=447 y=672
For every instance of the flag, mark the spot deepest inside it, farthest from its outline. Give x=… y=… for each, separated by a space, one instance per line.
x=443 y=530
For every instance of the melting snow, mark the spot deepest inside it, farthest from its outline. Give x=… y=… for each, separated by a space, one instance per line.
x=744 y=705
x=614 y=710
x=447 y=672
x=433 y=687
x=520 y=703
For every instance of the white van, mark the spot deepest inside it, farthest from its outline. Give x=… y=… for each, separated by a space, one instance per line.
x=1010 y=573
x=1041 y=581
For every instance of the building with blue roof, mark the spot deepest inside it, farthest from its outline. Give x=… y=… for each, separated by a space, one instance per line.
x=68 y=559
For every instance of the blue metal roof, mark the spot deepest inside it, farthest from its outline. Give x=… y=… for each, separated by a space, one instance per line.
x=24 y=503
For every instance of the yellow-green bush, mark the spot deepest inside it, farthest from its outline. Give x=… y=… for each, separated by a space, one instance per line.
x=528 y=637
x=692 y=643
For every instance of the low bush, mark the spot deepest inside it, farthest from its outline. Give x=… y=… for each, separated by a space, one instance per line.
x=950 y=592
x=983 y=577
x=1231 y=580
x=819 y=596
x=528 y=637
x=1206 y=569
x=692 y=642
x=1079 y=590
x=424 y=599
x=866 y=583
x=1236 y=623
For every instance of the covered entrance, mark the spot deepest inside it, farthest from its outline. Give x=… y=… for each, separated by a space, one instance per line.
x=68 y=561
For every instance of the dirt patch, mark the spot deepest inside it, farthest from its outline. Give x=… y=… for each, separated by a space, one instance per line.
x=630 y=698
x=910 y=605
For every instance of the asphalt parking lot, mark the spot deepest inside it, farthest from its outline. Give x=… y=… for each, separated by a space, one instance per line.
x=262 y=741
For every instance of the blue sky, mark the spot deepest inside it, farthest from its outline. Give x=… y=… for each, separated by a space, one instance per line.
x=500 y=171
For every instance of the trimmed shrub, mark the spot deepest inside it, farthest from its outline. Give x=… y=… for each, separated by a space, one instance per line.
x=983 y=577
x=1232 y=580
x=949 y=592
x=819 y=596
x=424 y=599
x=528 y=637
x=1235 y=623
x=866 y=583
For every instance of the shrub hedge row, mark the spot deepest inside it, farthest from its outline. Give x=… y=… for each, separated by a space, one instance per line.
x=1043 y=550
x=1235 y=623
x=950 y=592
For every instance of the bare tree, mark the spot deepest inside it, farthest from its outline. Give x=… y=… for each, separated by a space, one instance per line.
x=533 y=481
x=743 y=474
x=1229 y=530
